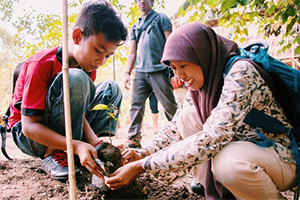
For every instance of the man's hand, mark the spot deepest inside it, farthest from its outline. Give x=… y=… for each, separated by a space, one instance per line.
x=127 y=81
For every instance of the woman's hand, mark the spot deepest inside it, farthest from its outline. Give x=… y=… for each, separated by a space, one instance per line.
x=124 y=175
x=130 y=155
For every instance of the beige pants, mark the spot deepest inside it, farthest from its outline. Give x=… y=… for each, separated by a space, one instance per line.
x=179 y=94
x=246 y=169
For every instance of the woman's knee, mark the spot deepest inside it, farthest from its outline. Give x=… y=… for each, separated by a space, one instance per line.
x=188 y=122
x=230 y=164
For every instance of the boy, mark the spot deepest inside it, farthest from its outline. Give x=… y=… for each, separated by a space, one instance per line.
x=37 y=118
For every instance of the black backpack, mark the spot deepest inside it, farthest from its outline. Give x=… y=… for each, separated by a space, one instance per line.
x=4 y=128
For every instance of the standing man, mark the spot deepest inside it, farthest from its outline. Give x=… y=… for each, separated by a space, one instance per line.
x=148 y=37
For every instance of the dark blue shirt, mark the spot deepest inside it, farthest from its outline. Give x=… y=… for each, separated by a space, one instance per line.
x=151 y=42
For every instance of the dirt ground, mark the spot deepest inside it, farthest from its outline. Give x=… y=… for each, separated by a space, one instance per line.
x=22 y=178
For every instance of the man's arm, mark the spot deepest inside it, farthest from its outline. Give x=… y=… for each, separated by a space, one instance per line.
x=130 y=62
x=167 y=34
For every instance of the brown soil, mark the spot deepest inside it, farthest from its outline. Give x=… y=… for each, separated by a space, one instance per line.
x=23 y=178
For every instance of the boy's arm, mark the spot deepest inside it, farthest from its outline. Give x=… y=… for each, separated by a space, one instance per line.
x=88 y=134
x=33 y=129
x=36 y=131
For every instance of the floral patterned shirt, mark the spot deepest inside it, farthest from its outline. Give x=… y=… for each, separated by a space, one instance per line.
x=172 y=157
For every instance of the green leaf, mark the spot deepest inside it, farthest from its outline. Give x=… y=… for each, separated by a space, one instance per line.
x=297 y=40
x=277 y=16
x=100 y=107
x=242 y=39
x=297 y=50
x=284 y=17
x=212 y=3
x=186 y=4
x=271 y=10
x=243 y=2
x=290 y=11
x=226 y=5
x=195 y=2
x=290 y=25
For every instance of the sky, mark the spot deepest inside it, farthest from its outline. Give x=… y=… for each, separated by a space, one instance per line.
x=55 y=7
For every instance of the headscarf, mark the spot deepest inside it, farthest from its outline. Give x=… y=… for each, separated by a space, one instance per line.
x=199 y=44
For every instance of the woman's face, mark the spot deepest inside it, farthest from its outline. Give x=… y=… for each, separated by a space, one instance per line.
x=191 y=74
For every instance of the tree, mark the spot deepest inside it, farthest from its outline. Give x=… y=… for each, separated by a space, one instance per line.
x=10 y=58
x=43 y=31
x=6 y=9
x=272 y=17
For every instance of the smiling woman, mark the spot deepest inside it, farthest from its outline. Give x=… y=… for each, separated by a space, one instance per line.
x=189 y=73
x=208 y=136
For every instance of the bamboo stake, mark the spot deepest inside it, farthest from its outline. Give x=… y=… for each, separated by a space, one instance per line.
x=67 y=109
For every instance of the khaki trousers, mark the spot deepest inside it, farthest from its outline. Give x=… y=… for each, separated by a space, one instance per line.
x=247 y=170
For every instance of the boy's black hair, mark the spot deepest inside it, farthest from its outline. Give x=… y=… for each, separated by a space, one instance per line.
x=99 y=16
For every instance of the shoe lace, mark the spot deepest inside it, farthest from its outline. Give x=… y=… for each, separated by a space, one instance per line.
x=61 y=158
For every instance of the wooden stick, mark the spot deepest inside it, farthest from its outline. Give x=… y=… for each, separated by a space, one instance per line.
x=67 y=109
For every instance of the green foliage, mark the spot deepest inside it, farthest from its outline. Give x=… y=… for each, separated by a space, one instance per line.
x=6 y=9
x=42 y=31
x=239 y=14
x=10 y=55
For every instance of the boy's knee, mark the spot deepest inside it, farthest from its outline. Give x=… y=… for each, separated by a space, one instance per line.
x=115 y=86
x=77 y=75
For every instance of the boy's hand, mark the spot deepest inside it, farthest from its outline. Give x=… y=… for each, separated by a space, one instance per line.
x=87 y=153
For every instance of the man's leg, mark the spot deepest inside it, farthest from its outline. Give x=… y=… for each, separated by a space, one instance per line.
x=163 y=91
x=154 y=111
x=105 y=122
x=140 y=92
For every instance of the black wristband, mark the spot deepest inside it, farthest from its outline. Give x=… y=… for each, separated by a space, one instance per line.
x=128 y=72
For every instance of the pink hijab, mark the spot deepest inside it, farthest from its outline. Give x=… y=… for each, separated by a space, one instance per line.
x=199 y=44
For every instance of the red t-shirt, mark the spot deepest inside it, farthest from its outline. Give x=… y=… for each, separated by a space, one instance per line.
x=33 y=83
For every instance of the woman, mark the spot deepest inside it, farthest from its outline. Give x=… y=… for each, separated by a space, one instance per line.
x=212 y=132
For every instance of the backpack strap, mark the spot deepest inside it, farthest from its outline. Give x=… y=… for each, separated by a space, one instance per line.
x=144 y=26
x=260 y=120
x=4 y=129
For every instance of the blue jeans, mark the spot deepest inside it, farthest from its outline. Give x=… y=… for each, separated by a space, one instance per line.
x=83 y=97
